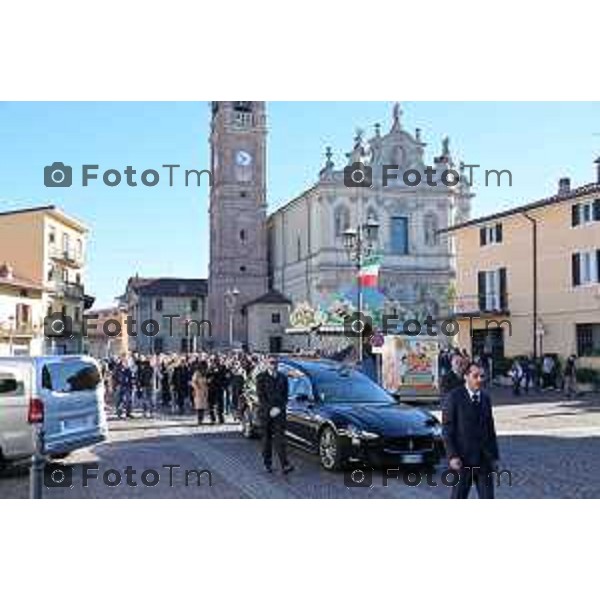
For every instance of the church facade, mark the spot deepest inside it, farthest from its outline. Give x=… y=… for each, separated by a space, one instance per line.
x=298 y=249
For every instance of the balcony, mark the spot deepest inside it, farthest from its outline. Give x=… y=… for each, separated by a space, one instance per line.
x=65 y=289
x=20 y=330
x=481 y=305
x=69 y=257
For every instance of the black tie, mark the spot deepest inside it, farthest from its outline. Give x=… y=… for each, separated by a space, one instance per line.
x=476 y=398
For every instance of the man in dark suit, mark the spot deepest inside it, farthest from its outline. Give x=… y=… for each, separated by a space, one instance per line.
x=272 y=391
x=470 y=436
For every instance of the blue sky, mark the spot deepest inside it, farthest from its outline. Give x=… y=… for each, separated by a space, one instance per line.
x=163 y=231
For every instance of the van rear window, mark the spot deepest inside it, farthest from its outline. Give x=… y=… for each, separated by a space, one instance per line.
x=70 y=376
x=9 y=385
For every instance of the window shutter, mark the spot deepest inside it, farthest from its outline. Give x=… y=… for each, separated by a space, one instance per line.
x=498 y=232
x=502 y=277
x=575 y=259
x=482 y=236
x=481 y=289
x=575 y=215
x=597 y=209
x=598 y=265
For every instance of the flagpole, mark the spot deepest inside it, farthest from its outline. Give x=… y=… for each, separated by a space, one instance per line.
x=360 y=304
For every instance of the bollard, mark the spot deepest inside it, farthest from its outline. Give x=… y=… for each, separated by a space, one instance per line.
x=38 y=462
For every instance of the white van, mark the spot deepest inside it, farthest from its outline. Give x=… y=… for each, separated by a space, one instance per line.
x=64 y=393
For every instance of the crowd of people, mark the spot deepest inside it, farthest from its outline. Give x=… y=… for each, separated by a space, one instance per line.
x=209 y=384
x=525 y=373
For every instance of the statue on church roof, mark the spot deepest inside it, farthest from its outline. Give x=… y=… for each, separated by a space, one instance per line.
x=446 y=146
x=396 y=114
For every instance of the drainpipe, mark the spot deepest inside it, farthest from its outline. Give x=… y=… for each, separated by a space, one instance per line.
x=535 y=281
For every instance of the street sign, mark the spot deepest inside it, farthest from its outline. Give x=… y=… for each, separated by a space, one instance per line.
x=377 y=340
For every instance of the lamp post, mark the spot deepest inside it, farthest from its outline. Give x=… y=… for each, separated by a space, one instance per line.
x=360 y=244
x=11 y=325
x=231 y=295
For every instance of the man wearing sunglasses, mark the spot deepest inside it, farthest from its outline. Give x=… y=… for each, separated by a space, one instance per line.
x=470 y=435
x=272 y=391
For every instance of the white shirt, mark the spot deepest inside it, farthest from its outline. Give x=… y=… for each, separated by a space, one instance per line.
x=473 y=394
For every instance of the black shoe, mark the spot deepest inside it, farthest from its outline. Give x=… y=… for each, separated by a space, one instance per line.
x=288 y=469
x=268 y=468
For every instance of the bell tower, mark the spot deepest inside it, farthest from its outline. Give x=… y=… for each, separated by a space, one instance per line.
x=238 y=215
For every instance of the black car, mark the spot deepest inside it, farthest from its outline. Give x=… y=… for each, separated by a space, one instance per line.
x=341 y=414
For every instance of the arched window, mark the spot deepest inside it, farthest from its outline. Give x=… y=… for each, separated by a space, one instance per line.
x=342 y=220
x=430 y=227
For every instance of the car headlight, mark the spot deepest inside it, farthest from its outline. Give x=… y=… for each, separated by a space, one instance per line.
x=355 y=432
x=437 y=430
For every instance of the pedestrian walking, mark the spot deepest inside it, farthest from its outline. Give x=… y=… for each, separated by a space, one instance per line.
x=146 y=386
x=125 y=384
x=570 y=377
x=516 y=374
x=272 y=391
x=454 y=377
x=469 y=435
x=200 y=393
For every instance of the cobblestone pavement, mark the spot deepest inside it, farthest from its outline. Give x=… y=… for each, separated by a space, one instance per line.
x=550 y=445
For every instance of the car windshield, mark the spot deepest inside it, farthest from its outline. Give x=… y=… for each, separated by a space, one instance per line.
x=342 y=384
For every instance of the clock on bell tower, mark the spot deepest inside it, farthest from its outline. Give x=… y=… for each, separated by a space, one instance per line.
x=238 y=216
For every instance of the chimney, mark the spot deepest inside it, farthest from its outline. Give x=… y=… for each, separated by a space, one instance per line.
x=564 y=186
x=597 y=163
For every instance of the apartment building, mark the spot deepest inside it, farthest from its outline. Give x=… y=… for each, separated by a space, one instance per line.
x=45 y=246
x=528 y=279
x=166 y=314
x=21 y=314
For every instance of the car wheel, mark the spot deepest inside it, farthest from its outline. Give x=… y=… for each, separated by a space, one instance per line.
x=247 y=426
x=329 y=450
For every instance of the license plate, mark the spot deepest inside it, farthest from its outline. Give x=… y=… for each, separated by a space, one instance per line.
x=411 y=459
x=73 y=424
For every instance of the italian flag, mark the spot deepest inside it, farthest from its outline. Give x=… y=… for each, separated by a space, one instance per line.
x=369 y=274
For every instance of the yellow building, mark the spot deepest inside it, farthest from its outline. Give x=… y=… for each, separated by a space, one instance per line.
x=47 y=247
x=528 y=279
x=106 y=332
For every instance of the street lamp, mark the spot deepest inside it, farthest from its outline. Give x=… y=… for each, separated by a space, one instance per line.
x=360 y=244
x=11 y=325
x=230 y=302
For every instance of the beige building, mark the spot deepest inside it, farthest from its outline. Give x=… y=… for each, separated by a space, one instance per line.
x=166 y=314
x=21 y=314
x=106 y=332
x=47 y=247
x=536 y=267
